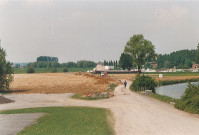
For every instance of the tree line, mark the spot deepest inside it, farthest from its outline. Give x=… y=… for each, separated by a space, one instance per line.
x=47 y=58
x=182 y=59
x=179 y=59
x=111 y=63
x=52 y=62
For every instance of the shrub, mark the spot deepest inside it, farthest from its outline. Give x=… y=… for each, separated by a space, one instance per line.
x=190 y=101
x=143 y=81
x=65 y=70
x=53 y=70
x=6 y=71
x=31 y=70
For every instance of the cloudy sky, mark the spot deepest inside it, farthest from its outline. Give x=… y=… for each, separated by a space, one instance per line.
x=94 y=30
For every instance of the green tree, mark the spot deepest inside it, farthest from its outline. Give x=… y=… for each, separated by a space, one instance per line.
x=177 y=58
x=140 y=49
x=6 y=71
x=143 y=82
x=166 y=64
x=148 y=65
x=197 y=55
x=47 y=58
x=30 y=70
x=125 y=61
x=187 y=63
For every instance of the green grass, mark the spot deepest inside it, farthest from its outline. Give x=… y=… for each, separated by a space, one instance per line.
x=174 y=73
x=68 y=121
x=46 y=70
x=163 y=98
x=189 y=102
x=112 y=87
x=77 y=96
x=170 y=82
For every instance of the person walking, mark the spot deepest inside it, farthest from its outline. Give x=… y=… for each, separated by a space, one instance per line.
x=125 y=83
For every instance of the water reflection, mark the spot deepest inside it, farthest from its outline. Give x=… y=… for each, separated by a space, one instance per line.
x=174 y=91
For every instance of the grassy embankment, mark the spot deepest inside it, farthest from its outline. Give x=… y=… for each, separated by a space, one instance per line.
x=111 y=88
x=170 y=82
x=163 y=98
x=68 y=120
x=48 y=70
x=174 y=73
x=190 y=101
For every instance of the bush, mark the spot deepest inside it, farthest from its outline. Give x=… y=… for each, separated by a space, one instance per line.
x=143 y=81
x=31 y=70
x=190 y=101
x=6 y=71
x=54 y=70
x=65 y=70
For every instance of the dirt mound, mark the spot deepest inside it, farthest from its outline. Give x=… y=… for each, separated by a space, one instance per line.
x=4 y=100
x=100 y=79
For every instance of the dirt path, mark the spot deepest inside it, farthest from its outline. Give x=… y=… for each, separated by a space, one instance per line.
x=11 y=124
x=134 y=114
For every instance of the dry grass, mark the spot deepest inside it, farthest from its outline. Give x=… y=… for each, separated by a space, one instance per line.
x=60 y=83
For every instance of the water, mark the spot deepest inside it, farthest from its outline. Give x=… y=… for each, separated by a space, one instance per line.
x=174 y=91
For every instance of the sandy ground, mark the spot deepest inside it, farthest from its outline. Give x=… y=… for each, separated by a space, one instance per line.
x=59 y=83
x=134 y=114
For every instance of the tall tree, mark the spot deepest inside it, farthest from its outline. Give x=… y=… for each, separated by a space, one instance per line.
x=166 y=64
x=6 y=71
x=197 y=55
x=125 y=61
x=187 y=63
x=140 y=50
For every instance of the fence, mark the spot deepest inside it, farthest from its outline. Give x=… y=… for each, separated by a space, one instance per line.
x=142 y=88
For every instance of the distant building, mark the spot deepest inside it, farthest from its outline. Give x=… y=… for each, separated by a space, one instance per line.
x=153 y=64
x=102 y=68
x=109 y=67
x=195 y=66
x=100 y=63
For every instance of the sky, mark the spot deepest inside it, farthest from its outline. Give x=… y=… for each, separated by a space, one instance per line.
x=94 y=30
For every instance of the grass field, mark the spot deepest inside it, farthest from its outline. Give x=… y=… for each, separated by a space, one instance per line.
x=84 y=97
x=174 y=73
x=68 y=121
x=46 y=70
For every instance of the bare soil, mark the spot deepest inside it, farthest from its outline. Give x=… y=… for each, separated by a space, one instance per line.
x=59 y=83
x=4 y=100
